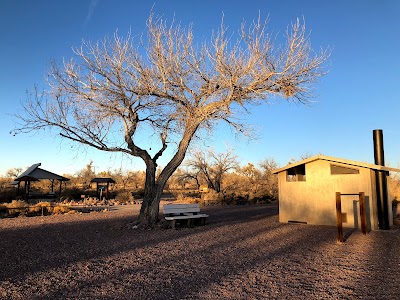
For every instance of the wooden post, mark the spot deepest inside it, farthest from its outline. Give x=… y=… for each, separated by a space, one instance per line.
x=363 y=213
x=107 y=190
x=339 y=218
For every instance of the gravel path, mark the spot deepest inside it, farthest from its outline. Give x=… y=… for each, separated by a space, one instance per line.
x=243 y=253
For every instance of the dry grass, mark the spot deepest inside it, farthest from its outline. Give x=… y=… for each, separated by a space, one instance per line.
x=61 y=209
x=23 y=208
x=16 y=206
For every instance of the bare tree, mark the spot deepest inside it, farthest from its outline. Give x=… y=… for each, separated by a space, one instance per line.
x=86 y=174
x=169 y=86
x=211 y=167
x=185 y=175
x=270 y=181
x=14 y=172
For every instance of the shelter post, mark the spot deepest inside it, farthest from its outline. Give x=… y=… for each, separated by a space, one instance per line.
x=363 y=213
x=107 y=190
x=339 y=224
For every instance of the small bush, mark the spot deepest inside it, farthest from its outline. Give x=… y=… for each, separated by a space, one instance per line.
x=188 y=200
x=34 y=209
x=3 y=208
x=61 y=209
x=46 y=207
x=17 y=206
x=8 y=194
x=73 y=193
x=138 y=193
x=213 y=195
x=124 y=197
x=179 y=196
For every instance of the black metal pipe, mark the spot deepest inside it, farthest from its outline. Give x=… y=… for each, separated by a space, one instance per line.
x=381 y=181
x=379 y=154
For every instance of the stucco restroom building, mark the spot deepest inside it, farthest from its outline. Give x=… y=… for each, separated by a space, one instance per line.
x=307 y=191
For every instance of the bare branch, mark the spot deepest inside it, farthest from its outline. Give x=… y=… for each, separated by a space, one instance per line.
x=108 y=94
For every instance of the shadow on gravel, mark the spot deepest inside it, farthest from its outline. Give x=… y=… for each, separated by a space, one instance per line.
x=29 y=250
x=242 y=253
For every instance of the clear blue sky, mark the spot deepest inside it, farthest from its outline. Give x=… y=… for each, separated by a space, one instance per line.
x=359 y=94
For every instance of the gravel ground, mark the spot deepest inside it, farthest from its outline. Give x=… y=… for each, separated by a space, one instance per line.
x=242 y=253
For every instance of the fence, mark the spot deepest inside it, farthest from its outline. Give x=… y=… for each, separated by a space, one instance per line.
x=363 y=215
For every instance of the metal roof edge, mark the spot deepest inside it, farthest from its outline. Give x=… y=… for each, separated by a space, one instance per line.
x=337 y=160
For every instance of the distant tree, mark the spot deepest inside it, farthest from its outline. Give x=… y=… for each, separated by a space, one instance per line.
x=253 y=177
x=14 y=172
x=394 y=186
x=86 y=175
x=183 y=176
x=303 y=156
x=268 y=165
x=270 y=181
x=211 y=167
x=167 y=85
x=188 y=174
x=253 y=182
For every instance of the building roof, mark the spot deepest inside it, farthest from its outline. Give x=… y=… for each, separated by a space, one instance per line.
x=337 y=160
x=102 y=180
x=34 y=173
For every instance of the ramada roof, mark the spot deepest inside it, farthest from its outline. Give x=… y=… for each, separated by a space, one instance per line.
x=337 y=160
x=102 y=180
x=34 y=173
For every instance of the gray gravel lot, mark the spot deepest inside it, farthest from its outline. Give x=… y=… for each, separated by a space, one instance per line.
x=243 y=253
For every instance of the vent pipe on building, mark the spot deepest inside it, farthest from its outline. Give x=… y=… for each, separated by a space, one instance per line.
x=381 y=181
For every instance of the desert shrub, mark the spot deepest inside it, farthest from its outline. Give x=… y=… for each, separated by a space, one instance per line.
x=3 y=208
x=192 y=200
x=34 y=209
x=179 y=196
x=61 y=209
x=17 y=206
x=47 y=207
x=213 y=196
x=182 y=199
x=138 y=193
x=64 y=199
x=8 y=194
x=74 y=193
x=124 y=197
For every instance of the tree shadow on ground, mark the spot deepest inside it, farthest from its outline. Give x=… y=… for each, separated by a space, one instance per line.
x=104 y=259
x=46 y=246
x=243 y=253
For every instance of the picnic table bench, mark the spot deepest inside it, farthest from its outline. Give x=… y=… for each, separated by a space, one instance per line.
x=188 y=213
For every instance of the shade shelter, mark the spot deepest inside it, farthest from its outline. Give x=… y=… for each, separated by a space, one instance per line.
x=102 y=184
x=34 y=173
x=307 y=191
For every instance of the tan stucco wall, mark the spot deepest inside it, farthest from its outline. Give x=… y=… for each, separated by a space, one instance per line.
x=313 y=201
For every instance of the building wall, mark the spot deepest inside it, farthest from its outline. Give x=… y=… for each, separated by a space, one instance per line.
x=314 y=201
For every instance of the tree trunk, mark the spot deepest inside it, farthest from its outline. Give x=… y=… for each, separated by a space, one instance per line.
x=152 y=196
x=154 y=188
